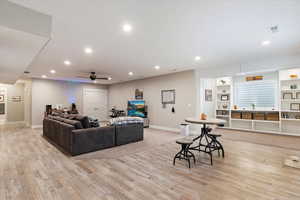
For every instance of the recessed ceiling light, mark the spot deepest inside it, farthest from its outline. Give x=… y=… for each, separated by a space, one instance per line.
x=109 y=78
x=157 y=67
x=197 y=58
x=127 y=28
x=94 y=81
x=130 y=73
x=266 y=43
x=52 y=71
x=67 y=62
x=88 y=50
x=44 y=76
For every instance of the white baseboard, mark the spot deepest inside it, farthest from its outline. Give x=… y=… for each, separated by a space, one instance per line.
x=12 y=123
x=164 y=128
x=36 y=126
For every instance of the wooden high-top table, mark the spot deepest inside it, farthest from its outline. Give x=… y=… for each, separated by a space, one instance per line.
x=204 y=134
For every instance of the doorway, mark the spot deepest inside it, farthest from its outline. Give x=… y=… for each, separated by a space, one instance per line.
x=95 y=103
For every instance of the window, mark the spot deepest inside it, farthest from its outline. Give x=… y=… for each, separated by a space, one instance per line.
x=261 y=93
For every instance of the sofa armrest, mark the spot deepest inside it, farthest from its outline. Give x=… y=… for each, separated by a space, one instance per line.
x=128 y=133
x=91 y=139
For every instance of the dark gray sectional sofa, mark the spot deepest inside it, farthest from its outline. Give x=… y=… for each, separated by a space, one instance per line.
x=74 y=136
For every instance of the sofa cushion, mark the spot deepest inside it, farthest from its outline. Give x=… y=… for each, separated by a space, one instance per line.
x=74 y=123
x=60 y=119
x=50 y=116
x=65 y=115
x=72 y=116
x=84 y=121
x=56 y=118
x=126 y=120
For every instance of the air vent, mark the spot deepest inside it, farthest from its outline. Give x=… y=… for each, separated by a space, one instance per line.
x=274 y=29
x=26 y=72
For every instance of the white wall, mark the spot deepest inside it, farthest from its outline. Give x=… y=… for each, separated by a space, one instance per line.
x=56 y=92
x=183 y=82
x=207 y=107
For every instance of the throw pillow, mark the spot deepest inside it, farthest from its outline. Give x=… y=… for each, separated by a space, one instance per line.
x=84 y=121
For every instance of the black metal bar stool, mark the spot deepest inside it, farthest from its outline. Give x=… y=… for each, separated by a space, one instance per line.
x=214 y=144
x=184 y=153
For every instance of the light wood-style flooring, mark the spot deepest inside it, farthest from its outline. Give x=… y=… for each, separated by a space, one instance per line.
x=31 y=168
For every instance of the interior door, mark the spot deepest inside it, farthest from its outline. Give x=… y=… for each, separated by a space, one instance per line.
x=95 y=103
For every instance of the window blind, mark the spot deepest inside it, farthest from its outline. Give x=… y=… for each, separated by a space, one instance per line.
x=261 y=93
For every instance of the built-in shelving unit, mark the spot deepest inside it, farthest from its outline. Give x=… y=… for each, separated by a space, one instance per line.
x=290 y=99
x=224 y=98
x=283 y=118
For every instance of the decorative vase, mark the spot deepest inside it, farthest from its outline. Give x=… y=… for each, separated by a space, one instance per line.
x=203 y=116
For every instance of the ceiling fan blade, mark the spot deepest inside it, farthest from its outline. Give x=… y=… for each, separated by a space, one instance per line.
x=104 y=78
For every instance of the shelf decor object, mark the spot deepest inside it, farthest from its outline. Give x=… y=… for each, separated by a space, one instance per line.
x=254 y=78
x=223 y=112
x=225 y=97
x=246 y=115
x=293 y=76
x=298 y=95
x=236 y=115
x=287 y=95
x=259 y=116
x=1 y=98
x=223 y=82
x=293 y=87
x=225 y=106
x=295 y=106
x=272 y=116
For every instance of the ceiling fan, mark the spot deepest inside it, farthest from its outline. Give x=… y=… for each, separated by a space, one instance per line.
x=93 y=77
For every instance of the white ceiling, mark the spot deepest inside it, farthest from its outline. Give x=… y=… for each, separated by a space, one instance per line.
x=17 y=50
x=168 y=33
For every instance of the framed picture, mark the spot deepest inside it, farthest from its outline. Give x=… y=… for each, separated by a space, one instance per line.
x=139 y=94
x=168 y=97
x=208 y=95
x=1 y=98
x=224 y=97
x=295 y=106
x=298 y=95
x=2 y=108
x=288 y=95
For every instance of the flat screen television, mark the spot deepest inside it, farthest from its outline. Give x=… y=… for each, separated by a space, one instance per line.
x=136 y=108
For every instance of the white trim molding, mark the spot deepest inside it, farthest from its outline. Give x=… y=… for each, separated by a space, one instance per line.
x=5 y=122
x=36 y=126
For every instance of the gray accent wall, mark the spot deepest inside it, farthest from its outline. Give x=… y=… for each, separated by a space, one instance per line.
x=56 y=92
x=183 y=82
